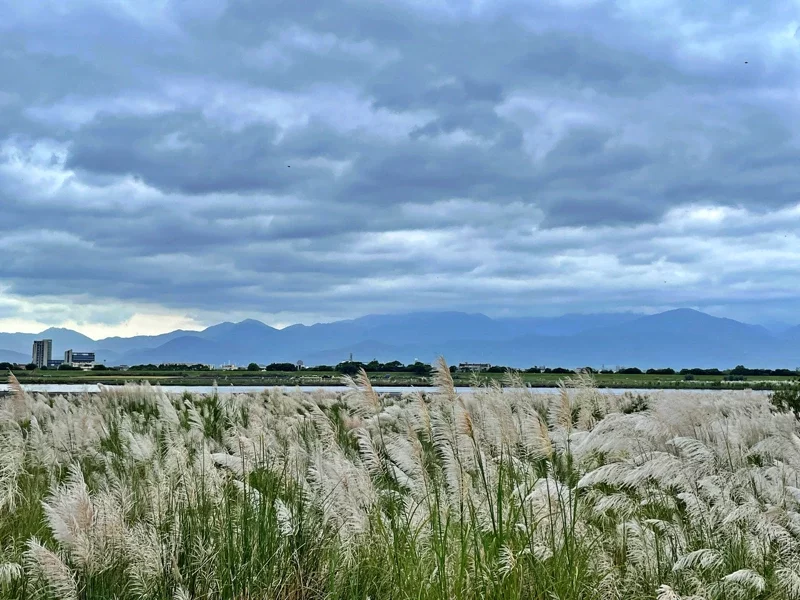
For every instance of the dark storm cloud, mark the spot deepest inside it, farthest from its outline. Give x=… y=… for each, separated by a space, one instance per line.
x=183 y=152
x=268 y=157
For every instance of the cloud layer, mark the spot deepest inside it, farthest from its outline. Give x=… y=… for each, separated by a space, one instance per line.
x=298 y=161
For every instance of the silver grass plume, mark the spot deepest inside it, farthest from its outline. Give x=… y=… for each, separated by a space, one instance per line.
x=45 y=566
x=362 y=397
x=443 y=379
x=10 y=572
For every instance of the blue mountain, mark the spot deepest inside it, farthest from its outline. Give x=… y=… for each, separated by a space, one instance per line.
x=676 y=338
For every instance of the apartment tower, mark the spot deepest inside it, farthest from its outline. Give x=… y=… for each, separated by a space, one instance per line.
x=42 y=353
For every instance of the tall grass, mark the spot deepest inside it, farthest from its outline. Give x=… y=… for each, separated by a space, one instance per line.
x=135 y=493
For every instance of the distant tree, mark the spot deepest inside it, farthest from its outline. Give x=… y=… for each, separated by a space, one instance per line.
x=420 y=368
x=68 y=368
x=281 y=367
x=453 y=368
x=784 y=372
x=99 y=368
x=660 y=371
x=349 y=367
x=559 y=371
x=735 y=378
x=701 y=372
x=253 y=367
x=630 y=371
x=30 y=367
x=6 y=366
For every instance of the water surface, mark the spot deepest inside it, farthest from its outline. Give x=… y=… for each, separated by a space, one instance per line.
x=63 y=388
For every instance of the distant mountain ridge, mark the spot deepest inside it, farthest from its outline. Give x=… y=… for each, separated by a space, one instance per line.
x=676 y=338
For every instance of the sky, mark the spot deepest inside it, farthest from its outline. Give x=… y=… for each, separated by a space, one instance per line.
x=176 y=163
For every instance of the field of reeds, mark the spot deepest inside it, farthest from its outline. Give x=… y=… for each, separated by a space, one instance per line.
x=136 y=493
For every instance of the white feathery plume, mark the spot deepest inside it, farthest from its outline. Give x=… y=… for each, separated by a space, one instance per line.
x=19 y=407
x=443 y=380
x=362 y=398
x=10 y=572
x=787 y=579
x=560 y=414
x=370 y=455
x=44 y=565
x=508 y=561
x=284 y=517
x=705 y=558
x=746 y=578
x=12 y=451
x=166 y=411
x=235 y=464
x=181 y=594
x=665 y=592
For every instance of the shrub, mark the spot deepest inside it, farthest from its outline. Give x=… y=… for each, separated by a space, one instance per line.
x=787 y=399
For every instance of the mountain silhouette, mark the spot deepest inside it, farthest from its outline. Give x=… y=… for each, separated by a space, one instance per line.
x=675 y=338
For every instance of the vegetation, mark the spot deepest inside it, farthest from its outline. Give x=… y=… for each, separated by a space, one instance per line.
x=413 y=377
x=133 y=493
x=787 y=399
x=418 y=374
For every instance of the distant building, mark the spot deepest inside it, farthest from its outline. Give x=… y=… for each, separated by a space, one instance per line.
x=42 y=353
x=230 y=367
x=54 y=364
x=474 y=367
x=83 y=360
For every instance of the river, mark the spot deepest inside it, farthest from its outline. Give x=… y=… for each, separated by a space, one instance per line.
x=62 y=388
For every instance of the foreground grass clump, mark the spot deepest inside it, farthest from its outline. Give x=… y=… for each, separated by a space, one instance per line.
x=134 y=493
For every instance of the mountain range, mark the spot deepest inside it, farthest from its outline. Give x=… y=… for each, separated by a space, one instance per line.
x=677 y=338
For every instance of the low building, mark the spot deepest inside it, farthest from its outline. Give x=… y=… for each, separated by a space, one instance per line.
x=82 y=360
x=473 y=367
x=54 y=364
x=230 y=367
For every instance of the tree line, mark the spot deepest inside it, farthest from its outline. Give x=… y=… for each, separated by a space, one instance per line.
x=423 y=369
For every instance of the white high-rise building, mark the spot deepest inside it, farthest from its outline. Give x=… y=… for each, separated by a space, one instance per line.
x=42 y=353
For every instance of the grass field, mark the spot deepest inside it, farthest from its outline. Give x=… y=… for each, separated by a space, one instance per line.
x=133 y=493
x=316 y=378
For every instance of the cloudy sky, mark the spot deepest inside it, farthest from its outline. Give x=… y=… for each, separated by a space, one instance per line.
x=169 y=163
